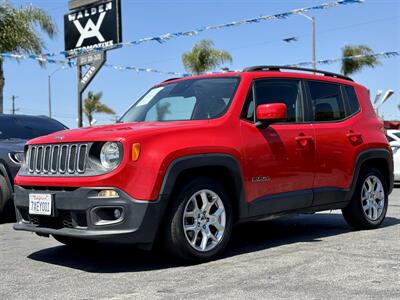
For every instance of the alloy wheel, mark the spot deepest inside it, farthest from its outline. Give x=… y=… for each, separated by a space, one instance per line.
x=373 y=198
x=204 y=220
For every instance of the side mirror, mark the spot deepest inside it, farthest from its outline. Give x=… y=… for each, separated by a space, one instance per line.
x=270 y=113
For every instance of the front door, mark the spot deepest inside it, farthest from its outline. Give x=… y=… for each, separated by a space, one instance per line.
x=279 y=159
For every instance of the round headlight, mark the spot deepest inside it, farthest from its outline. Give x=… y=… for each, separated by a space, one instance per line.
x=110 y=155
x=17 y=157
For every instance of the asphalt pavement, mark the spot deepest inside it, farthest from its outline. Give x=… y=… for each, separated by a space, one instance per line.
x=304 y=257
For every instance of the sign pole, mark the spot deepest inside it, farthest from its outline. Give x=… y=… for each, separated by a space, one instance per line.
x=94 y=61
x=91 y=28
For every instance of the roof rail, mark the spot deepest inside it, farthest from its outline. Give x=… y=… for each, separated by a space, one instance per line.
x=279 y=68
x=170 y=79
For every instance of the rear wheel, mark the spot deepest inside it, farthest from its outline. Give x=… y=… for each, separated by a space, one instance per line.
x=199 y=225
x=74 y=242
x=369 y=204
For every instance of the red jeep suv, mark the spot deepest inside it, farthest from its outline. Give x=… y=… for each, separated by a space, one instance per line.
x=196 y=155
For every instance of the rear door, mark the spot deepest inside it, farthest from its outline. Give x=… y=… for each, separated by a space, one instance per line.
x=334 y=116
x=280 y=158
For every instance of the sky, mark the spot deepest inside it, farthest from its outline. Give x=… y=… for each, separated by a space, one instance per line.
x=375 y=23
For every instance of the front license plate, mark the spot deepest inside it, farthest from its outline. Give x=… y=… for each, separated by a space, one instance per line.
x=40 y=204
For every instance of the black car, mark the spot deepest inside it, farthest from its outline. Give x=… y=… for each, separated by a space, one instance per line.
x=15 y=131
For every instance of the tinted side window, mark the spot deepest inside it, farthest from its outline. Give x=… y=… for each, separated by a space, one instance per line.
x=327 y=101
x=352 y=98
x=286 y=91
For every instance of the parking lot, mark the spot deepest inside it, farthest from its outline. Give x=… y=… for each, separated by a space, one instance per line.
x=308 y=256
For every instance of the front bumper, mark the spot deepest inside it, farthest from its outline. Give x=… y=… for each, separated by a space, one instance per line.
x=74 y=215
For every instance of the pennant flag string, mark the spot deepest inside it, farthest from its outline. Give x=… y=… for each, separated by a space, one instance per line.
x=285 y=15
x=169 y=36
x=66 y=63
x=335 y=60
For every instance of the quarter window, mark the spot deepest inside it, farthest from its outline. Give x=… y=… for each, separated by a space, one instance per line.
x=327 y=101
x=248 y=108
x=352 y=98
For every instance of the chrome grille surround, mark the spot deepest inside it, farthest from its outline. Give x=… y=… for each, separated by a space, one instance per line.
x=57 y=159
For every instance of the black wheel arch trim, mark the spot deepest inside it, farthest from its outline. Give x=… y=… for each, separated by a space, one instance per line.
x=370 y=154
x=6 y=175
x=207 y=160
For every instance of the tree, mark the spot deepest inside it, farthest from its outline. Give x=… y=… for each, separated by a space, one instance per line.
x=353 y=65
x=92 y=104
x=203 y=57
x=18 y=33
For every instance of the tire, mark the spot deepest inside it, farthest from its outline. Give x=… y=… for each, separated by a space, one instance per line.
x=7 y=212
x=177 y=240
x=357 y=214
x=74 y=242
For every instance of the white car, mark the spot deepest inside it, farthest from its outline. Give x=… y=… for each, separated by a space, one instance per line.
x=393 y=137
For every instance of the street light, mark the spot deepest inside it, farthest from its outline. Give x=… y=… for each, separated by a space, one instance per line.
x=314 y=59
x=49 y=86
x=378 y=96
x=386 y=96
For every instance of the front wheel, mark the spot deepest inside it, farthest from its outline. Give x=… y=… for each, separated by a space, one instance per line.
x=199 y=225
x=368 y=206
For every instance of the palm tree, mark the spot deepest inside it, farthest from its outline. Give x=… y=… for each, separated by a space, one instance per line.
x=92 y=104
x=353 y=65
x=203 y=57
x=162 y=110
x=18 y=33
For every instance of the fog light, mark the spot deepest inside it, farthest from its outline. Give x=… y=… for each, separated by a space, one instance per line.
x=117 y=213
x=107 y=194
x=107 y=215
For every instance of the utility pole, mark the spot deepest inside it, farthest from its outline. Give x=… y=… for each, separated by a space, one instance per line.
x=13 y=109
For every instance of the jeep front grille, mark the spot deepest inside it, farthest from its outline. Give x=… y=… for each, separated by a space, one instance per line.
x=57 y=159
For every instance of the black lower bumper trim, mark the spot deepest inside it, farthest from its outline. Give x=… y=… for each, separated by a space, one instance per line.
x=73 y=216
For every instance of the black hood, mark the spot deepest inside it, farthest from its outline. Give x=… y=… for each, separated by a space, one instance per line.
x=12 y=145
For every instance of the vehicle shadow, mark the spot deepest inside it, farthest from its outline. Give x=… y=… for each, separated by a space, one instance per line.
x=254 y=236
x=257 y=236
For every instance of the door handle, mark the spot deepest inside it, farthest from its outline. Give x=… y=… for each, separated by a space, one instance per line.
x=303 y=140
x=353 y=136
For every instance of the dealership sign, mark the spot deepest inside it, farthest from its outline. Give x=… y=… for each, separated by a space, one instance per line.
x=95 y=26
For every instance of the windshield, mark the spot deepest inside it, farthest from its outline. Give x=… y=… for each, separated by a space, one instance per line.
x=26 y=128
x=191 y=99
x=397 y=134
